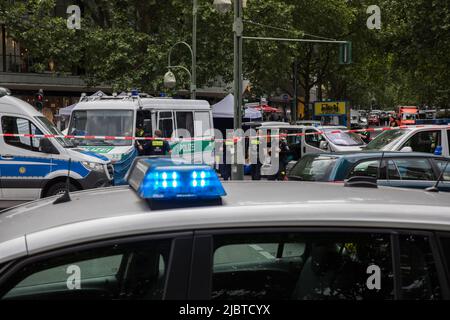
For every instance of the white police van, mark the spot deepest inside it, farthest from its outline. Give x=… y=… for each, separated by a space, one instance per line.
x=35 y=167
x=120 y=116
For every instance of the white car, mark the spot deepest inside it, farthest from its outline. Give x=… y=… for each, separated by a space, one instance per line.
x=427 y=139
x=188 y=239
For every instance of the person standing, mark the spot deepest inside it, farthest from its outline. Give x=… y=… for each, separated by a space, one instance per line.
x=254 y=146
x=157 y=146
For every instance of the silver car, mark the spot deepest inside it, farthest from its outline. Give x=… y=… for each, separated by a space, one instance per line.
x=177 y=233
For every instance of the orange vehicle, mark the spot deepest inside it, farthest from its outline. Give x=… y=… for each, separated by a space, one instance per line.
x=407 y=115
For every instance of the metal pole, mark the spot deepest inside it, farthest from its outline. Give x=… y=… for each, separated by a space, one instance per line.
x=4 y=47
x=194 y=52
x=294 y=109
x=237 y=172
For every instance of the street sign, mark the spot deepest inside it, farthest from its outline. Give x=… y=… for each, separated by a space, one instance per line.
x=330 y=108
x=345 y=53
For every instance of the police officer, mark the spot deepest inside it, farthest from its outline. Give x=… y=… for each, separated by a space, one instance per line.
x=228 y=153
x=157 y=146
x=254 y=146
x=139 y=145
x=284 y=156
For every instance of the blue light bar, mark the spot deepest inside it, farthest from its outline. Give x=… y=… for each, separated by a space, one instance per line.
x=165 y=179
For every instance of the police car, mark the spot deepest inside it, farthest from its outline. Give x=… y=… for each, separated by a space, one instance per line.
x=177 y=232
x=34 y=167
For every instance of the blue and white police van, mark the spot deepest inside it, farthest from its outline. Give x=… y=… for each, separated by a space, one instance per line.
x=36 y=167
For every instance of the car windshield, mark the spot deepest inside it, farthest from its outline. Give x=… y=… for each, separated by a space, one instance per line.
x=66 y=143
x=385 y=139
x=313 y=168
x=343 y=138
x=409 y=116
x=112 y=123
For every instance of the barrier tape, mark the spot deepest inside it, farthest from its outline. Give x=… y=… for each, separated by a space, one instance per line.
x=233 y=139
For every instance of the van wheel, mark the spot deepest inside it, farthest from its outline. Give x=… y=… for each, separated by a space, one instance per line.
x=59 y=189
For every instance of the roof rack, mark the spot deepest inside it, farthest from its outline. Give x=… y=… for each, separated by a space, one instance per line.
x=123 y=96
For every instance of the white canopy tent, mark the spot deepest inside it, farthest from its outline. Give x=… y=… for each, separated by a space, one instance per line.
x=225 y=109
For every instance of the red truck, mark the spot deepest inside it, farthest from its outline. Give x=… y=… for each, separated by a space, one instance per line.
x=407 y=115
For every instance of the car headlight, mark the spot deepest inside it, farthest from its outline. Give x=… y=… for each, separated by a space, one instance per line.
x=93 y=166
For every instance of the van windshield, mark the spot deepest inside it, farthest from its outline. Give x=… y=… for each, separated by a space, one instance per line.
x=66 y=143
x=384 y=139
x=111 y=123
x=343 y=138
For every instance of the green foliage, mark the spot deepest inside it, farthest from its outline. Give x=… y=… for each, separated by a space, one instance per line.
x=125 y=43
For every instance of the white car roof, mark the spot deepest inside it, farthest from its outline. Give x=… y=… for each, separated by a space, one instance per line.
x=13 y=105
x=114 y=212
x=145 y=103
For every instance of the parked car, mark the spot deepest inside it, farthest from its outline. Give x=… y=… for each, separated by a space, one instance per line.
x=270 y=241
x=398 y=169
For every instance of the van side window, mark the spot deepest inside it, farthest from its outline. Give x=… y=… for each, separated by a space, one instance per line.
x=21 y=126
x=185 y=120
x=425 y=141
x=166 y=124
x=202 y=123
x=313 y=139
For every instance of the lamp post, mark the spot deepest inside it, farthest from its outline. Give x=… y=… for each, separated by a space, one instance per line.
x=223 y=6
x=169 y=77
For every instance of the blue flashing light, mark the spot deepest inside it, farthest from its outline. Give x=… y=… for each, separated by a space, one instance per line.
x=165 y=179
x=135 y=93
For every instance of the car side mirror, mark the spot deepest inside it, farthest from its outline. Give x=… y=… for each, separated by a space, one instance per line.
x=406 y=149
x=323 y=145
x=46 y=146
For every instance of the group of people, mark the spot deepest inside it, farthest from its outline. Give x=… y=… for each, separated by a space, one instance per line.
x=157 y=146
x=258 y=154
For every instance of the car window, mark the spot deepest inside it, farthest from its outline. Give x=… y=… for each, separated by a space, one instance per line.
x=303 y=266
x=444 y=165
x=202 y=123
x=445 y=245
x=166 y=124
x=316 y=168
x=369 y=168
x=415 y=169
x=392 y=171
x=16 y=125
x=425 y=141
x=313 y=138
x=130 y=271
x=419 y=279
x=185 y=121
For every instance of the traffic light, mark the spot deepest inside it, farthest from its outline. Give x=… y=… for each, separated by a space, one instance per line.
x=345 y=53
x=39 y=100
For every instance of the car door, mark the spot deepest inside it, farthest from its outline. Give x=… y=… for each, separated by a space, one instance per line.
x=24 y=167
x=311 y=141
x=144 y=268
x=415 y=173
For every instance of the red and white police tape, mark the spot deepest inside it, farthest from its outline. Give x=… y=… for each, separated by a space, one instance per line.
x=235 y=139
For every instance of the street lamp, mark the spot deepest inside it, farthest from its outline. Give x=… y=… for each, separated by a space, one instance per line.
x=238 y=28
x=170 y=79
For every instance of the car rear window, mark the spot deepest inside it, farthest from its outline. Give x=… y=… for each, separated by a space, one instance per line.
x=316 y=168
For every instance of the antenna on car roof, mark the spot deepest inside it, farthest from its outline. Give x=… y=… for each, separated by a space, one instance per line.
x=435 y=188
x=66 y=196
